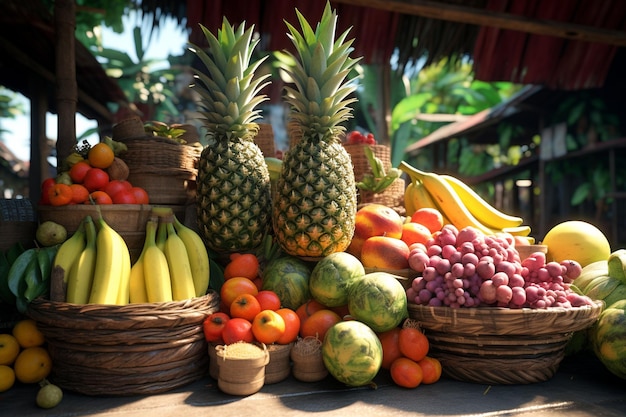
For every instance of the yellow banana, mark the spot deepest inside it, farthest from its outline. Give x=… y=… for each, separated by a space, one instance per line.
x=481 y=209
x=179 y=266
x=82 y=272
x=137 y=283
x=274 y=166
x=109 y=265
x=123 y=295
x=69 y=251
x=161 y=236
x=409 y=202
x=198 y=257
x=523 y=230
x=448 y=201
x=155 y=268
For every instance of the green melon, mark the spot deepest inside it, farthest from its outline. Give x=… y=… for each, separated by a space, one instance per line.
x=608 y=338
x=352 y=353
x=379 y=300
x=332 y=277
x=289 y=278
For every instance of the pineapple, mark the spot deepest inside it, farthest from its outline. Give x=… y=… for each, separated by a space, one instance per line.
x=314 y=210
x=233 y=183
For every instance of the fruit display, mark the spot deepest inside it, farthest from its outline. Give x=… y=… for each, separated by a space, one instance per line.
x=317 y=169
x=92 y=175
x=233 y=183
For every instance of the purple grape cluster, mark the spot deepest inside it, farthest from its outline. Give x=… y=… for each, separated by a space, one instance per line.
x=466 y=268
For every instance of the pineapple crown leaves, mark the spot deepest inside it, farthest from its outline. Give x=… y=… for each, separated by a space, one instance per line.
x=320 y=98
x=229 y=93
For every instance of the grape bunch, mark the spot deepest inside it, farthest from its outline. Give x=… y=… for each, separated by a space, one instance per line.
x=466 y=268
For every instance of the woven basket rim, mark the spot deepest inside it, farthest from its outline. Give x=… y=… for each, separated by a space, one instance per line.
x=502 y=321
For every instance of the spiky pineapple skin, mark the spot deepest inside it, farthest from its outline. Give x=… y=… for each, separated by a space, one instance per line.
x=233 y=196
x=315 y=207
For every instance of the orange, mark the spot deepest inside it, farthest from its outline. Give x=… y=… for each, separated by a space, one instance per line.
x=7 y=377
x=431 y=370
x=318 y=323
x=415 y=233
x=80 y=193
x=391 y=348
x=9 y=349
x=429 y=217
x=100 y=155
x=406 y=373
x=242 y=265
x=413 y=343
x=99 y=197
x=307 y=309
x=32 y=365
x=292 y=326
x=245 y=306
x=28 y=334
x=60 y=194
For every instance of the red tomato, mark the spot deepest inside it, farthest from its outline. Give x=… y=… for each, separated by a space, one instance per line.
x=213 y=326
x=141 y=195
x=115 y=186
x=124 y=197
x=96 y=179
x=237 y=329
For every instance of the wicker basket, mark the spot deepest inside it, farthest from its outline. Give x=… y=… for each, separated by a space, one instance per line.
x=125 y=350
x=265 y=140
x=491 y=345
x=392 y=196
x=163 y=167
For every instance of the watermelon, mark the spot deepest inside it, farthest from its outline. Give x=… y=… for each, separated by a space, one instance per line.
x=352 y=353
x=288 y=277
x=332 y=276
x=379 y=300
x=608 y=338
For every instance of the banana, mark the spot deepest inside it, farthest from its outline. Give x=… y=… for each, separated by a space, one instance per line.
x=137 y=283
x=179 y=266
x=82 y=272
x=617 y=264
x=481 y=209
x=69 y=251
x=448 y=201
x=161 y=236
x=522 y=230
x=123 y=296
x=110 y=265
x=156 y=271
x=198 y=257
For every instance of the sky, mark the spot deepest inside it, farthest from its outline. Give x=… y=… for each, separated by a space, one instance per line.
x=170 y=40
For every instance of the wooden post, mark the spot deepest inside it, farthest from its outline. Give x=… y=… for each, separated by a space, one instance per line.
x=67 y=89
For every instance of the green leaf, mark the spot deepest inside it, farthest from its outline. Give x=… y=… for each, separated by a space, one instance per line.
x=581 y=193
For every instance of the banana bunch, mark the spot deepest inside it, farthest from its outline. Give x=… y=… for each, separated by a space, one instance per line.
x=380 y=178
x=274 y=166
x=28 y=276
x=174 y=262
x=458 y=203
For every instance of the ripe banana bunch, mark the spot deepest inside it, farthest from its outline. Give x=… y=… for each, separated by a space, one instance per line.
x=173 y=253
x=458 y=203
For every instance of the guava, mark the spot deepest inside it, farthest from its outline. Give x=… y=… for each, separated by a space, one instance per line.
x=50 y=233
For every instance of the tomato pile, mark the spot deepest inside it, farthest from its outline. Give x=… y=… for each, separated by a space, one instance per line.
x=355 y=138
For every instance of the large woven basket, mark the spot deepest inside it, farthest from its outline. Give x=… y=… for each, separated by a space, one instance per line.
x=163 y=167
x=392 y=196
x=125 y=350
x=265 y=140
x=491 y=345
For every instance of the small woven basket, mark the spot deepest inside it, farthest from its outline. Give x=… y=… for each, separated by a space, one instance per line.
x=241 y=374
x=392 y=197
x=361 y=163
x=163 y=167
x=279 y=366
x=308 y=363
x=265 y=140
x=501 y=346
x=126 y=350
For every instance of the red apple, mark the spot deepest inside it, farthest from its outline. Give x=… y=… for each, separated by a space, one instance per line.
x=96 y=179
x=237 y=329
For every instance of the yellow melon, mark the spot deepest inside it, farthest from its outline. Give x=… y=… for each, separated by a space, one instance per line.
x=578 y=241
